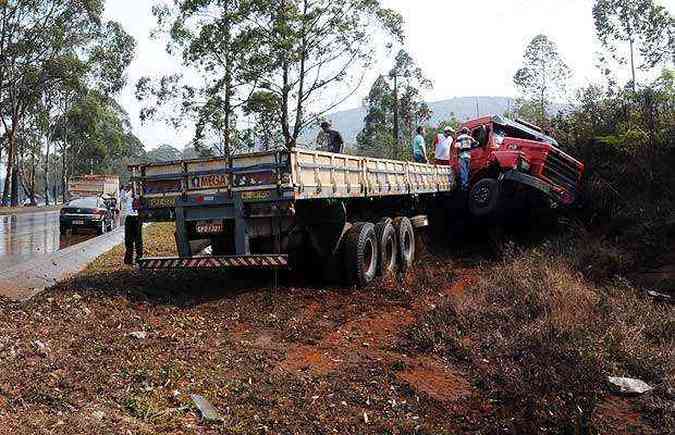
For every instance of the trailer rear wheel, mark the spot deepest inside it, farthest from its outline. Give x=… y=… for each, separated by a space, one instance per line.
x=405 y=236
x=386 y=241
x=360 y=254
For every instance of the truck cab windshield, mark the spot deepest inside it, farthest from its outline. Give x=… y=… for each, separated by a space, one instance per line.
x=519 y=131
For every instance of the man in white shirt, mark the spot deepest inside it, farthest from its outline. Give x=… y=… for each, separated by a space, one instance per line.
x=133 y=236
x=443 y=145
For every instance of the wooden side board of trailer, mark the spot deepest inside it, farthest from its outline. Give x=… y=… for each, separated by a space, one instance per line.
x=300 y=174
x=326 y=175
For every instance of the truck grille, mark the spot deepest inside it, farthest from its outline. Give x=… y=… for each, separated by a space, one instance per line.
x=561 y=171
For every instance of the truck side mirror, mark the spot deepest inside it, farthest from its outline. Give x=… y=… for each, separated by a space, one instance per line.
x=481 y=135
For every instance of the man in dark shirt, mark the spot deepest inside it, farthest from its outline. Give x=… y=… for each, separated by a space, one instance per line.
x=331 y=139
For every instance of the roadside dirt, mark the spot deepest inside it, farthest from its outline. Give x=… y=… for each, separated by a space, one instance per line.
x=118 y=351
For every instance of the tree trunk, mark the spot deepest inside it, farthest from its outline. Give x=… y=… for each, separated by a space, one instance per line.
x=11 y=189
x=285 y=128
x=63 y=174
x=32 y=179
x=632 y=62
x=3 y=187
x=396 y=122
x=301 y=78
x=228 y=81
x=14 y=193
x=7 y=185
x=47 y=173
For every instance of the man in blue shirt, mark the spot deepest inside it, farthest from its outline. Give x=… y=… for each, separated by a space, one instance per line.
x=419 y=147
x=464 y=144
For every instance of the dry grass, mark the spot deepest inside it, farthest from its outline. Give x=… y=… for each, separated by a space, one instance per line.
x=543 y=339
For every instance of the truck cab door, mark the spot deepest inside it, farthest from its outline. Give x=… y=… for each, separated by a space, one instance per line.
x=481 y=152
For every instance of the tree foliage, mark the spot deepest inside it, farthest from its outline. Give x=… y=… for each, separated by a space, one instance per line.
x=625 y=138
x=218 y=41
x=48 y=49
x=395 y=108
x=282 y=57
x=642 y=24
x=321 y=47
x=542 y=78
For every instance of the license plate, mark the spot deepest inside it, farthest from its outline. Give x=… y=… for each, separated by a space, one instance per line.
x=209 y=227
x=78 y=222
x=257 y=195
x=162 y=202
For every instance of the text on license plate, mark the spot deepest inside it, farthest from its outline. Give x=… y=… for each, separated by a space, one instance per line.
x=209 y=227
x=78 y=222
x=256 y=195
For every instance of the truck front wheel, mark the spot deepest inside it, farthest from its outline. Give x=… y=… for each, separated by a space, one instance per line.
x=361 y=253
x=484 y=197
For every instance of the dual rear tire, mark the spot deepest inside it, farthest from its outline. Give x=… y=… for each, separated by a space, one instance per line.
x=361 y=254
x=372 y=250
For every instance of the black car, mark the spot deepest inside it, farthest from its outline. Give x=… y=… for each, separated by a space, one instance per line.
x=90 y=212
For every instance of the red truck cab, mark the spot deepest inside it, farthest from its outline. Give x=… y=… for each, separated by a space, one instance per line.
x=517 y=154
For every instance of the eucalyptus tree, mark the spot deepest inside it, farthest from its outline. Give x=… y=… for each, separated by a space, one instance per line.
x=375 y=139
x=216 y=45
x=263 y=109
x=647 y=27
x=318 y=52
x=394 y=105
x=45 y=43
x=543 y=76
x=409 y=108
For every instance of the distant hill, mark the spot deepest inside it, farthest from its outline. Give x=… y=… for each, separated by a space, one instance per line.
x=350 y=122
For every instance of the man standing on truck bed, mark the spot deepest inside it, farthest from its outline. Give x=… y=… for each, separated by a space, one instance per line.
x=333 y=139
x=443 y=145
x=464 y=143
x=419 y=147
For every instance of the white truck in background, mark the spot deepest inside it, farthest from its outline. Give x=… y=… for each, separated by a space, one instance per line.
x=105 y=186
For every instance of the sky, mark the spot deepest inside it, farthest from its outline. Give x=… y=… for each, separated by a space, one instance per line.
x=466 y=47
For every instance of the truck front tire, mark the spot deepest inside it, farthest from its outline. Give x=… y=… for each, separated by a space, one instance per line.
x=405 y=236
x=361 y=254
x=484 y=197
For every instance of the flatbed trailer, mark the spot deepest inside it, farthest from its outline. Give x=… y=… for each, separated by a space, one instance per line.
x=355 y=216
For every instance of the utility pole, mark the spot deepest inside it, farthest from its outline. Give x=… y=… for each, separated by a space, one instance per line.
x=477 y=111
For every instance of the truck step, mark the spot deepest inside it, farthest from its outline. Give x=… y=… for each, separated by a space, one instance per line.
x=272 y=261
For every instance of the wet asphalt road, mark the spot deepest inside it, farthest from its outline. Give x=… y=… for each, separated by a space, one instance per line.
x=28 y=235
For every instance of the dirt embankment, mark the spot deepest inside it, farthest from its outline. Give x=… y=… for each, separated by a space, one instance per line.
x=115 y=350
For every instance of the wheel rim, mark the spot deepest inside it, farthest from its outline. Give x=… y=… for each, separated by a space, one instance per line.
x=369 y=257
x=481 y=196
x=388 y=253
x=407 y=243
